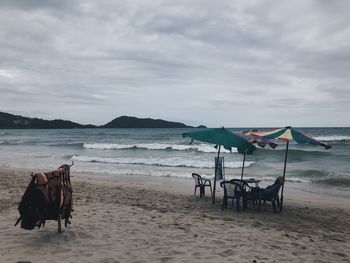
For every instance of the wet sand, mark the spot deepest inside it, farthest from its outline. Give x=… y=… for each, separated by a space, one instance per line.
x=124 y=220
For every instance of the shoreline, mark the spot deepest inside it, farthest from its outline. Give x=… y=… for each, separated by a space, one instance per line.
x=128 y=220
x=295 y=193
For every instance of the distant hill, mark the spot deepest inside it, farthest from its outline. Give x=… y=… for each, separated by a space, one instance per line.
x=10 y=121
x=133 y=122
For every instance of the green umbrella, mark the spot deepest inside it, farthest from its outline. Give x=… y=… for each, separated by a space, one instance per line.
x=221 y=137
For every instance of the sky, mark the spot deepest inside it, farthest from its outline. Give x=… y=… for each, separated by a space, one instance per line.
x=217 y=63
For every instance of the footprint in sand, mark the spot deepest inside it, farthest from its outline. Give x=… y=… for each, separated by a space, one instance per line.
x=165 y=259
x=228 y=252
x=339 y=254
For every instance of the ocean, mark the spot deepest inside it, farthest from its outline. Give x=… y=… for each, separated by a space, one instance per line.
x=164 y=153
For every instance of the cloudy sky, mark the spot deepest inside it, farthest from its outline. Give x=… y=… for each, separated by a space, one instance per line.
x=217 y=63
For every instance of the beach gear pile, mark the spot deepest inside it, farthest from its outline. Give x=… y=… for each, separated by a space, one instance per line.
x=49 y=196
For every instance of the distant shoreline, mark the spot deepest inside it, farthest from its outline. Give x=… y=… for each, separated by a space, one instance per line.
x=10 y=121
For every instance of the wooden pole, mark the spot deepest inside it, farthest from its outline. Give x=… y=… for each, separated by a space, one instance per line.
x=284 y=175
x=216 y=168
x=243 y=164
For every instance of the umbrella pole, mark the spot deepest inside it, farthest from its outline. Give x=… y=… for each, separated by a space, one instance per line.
x=216 y=167
x=284 y=175
x=243 y=164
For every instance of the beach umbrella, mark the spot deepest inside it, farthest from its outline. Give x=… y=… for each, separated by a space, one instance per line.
x=221 y=137
x=288 y=134
x=260 y=141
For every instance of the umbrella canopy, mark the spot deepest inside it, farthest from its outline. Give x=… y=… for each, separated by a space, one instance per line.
x=287 y=134
x=221 y=137
x=261 y=141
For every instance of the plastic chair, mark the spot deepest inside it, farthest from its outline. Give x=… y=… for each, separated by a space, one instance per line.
x=201 y=183
x=234 y=189
x=270 y=193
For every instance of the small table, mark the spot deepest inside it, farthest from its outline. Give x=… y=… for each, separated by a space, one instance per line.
x=254 y=192
x=252 y=180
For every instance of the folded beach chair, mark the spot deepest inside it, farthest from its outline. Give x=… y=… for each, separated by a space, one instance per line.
x=47 y=197
x=33 y=205
x=201 y=183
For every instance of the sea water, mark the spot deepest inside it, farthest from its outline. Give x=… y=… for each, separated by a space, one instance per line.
x=164 y=153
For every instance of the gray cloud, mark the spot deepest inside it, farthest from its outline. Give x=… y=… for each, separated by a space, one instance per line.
x=200 y=62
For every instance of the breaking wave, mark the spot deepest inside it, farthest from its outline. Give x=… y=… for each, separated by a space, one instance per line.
x=169 y=162
x=67 y=144
x=335 y=181
x=333 y=138
x=311 y=173
x=294 y=154
x=207 y=148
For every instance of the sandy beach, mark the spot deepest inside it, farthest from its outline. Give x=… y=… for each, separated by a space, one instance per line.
x=153 y=221
x=121 y=102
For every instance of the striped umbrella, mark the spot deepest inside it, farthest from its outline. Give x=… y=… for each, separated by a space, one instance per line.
x=287 y=134
x=261 y=141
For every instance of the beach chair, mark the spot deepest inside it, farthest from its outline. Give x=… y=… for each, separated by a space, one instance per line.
x=234 y=189
x=201 y=183
x=270 y=193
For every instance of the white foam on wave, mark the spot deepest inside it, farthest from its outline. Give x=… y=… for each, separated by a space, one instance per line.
x=106 y=146
x=273 y=178
x=297 y=180
x=102 y=169
x=171 y=162
x=288 y=179
x=333 y=138
x=134 y=172
x=154 y=146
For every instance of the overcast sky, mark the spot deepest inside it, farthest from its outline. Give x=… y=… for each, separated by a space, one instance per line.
x=217 y=63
